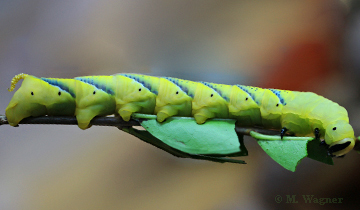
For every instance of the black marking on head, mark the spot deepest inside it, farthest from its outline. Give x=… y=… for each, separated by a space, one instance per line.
x=334 y=128
x=338 y=147
x=92 y=82
x=59 y=84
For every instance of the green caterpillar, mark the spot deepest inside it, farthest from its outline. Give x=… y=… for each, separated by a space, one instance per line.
x=299 y=113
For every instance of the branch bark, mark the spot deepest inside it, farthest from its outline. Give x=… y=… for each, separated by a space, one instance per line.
x=119 y=123
x=111 y=121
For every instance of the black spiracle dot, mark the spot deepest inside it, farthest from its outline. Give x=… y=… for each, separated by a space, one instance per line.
x=139 y=89
x=334 y=128
x=59 y=93
x=94 y=92
x=32 y=93
x=246 y=98
x=211 y=95
x=177 y=92
x=277 y=105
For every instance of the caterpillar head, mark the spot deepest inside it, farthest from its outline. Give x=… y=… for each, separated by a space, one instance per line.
x=340 y=138
x=34 y=98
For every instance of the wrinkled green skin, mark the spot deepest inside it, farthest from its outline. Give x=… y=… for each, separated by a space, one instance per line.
x=125 y=94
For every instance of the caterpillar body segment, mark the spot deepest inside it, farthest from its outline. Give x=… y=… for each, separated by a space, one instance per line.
x=243 y=107
x=270 y=109
x=37 y=97
x=94 y=97
x=299 y=113
x=135 y=94
x=208 y=103
x=173 y=99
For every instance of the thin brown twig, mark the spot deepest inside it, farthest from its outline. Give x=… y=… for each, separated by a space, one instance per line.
x=119 y=122
x=70 y=120
x=110 y=121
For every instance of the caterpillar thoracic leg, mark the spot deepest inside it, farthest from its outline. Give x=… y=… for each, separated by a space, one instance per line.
x=283 y=131
x=317 y=133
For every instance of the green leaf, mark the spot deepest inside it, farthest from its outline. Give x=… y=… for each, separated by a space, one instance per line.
x=148 y=138
x=319 y=153
x=287 y=152
x=216 y=137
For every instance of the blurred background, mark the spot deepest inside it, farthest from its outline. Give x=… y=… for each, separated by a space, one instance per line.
x=307 y=45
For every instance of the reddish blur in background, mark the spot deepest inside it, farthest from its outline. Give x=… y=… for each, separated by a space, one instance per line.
x=308 y=45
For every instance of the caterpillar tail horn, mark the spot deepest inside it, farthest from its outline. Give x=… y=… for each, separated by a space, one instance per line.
x=15 y=80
